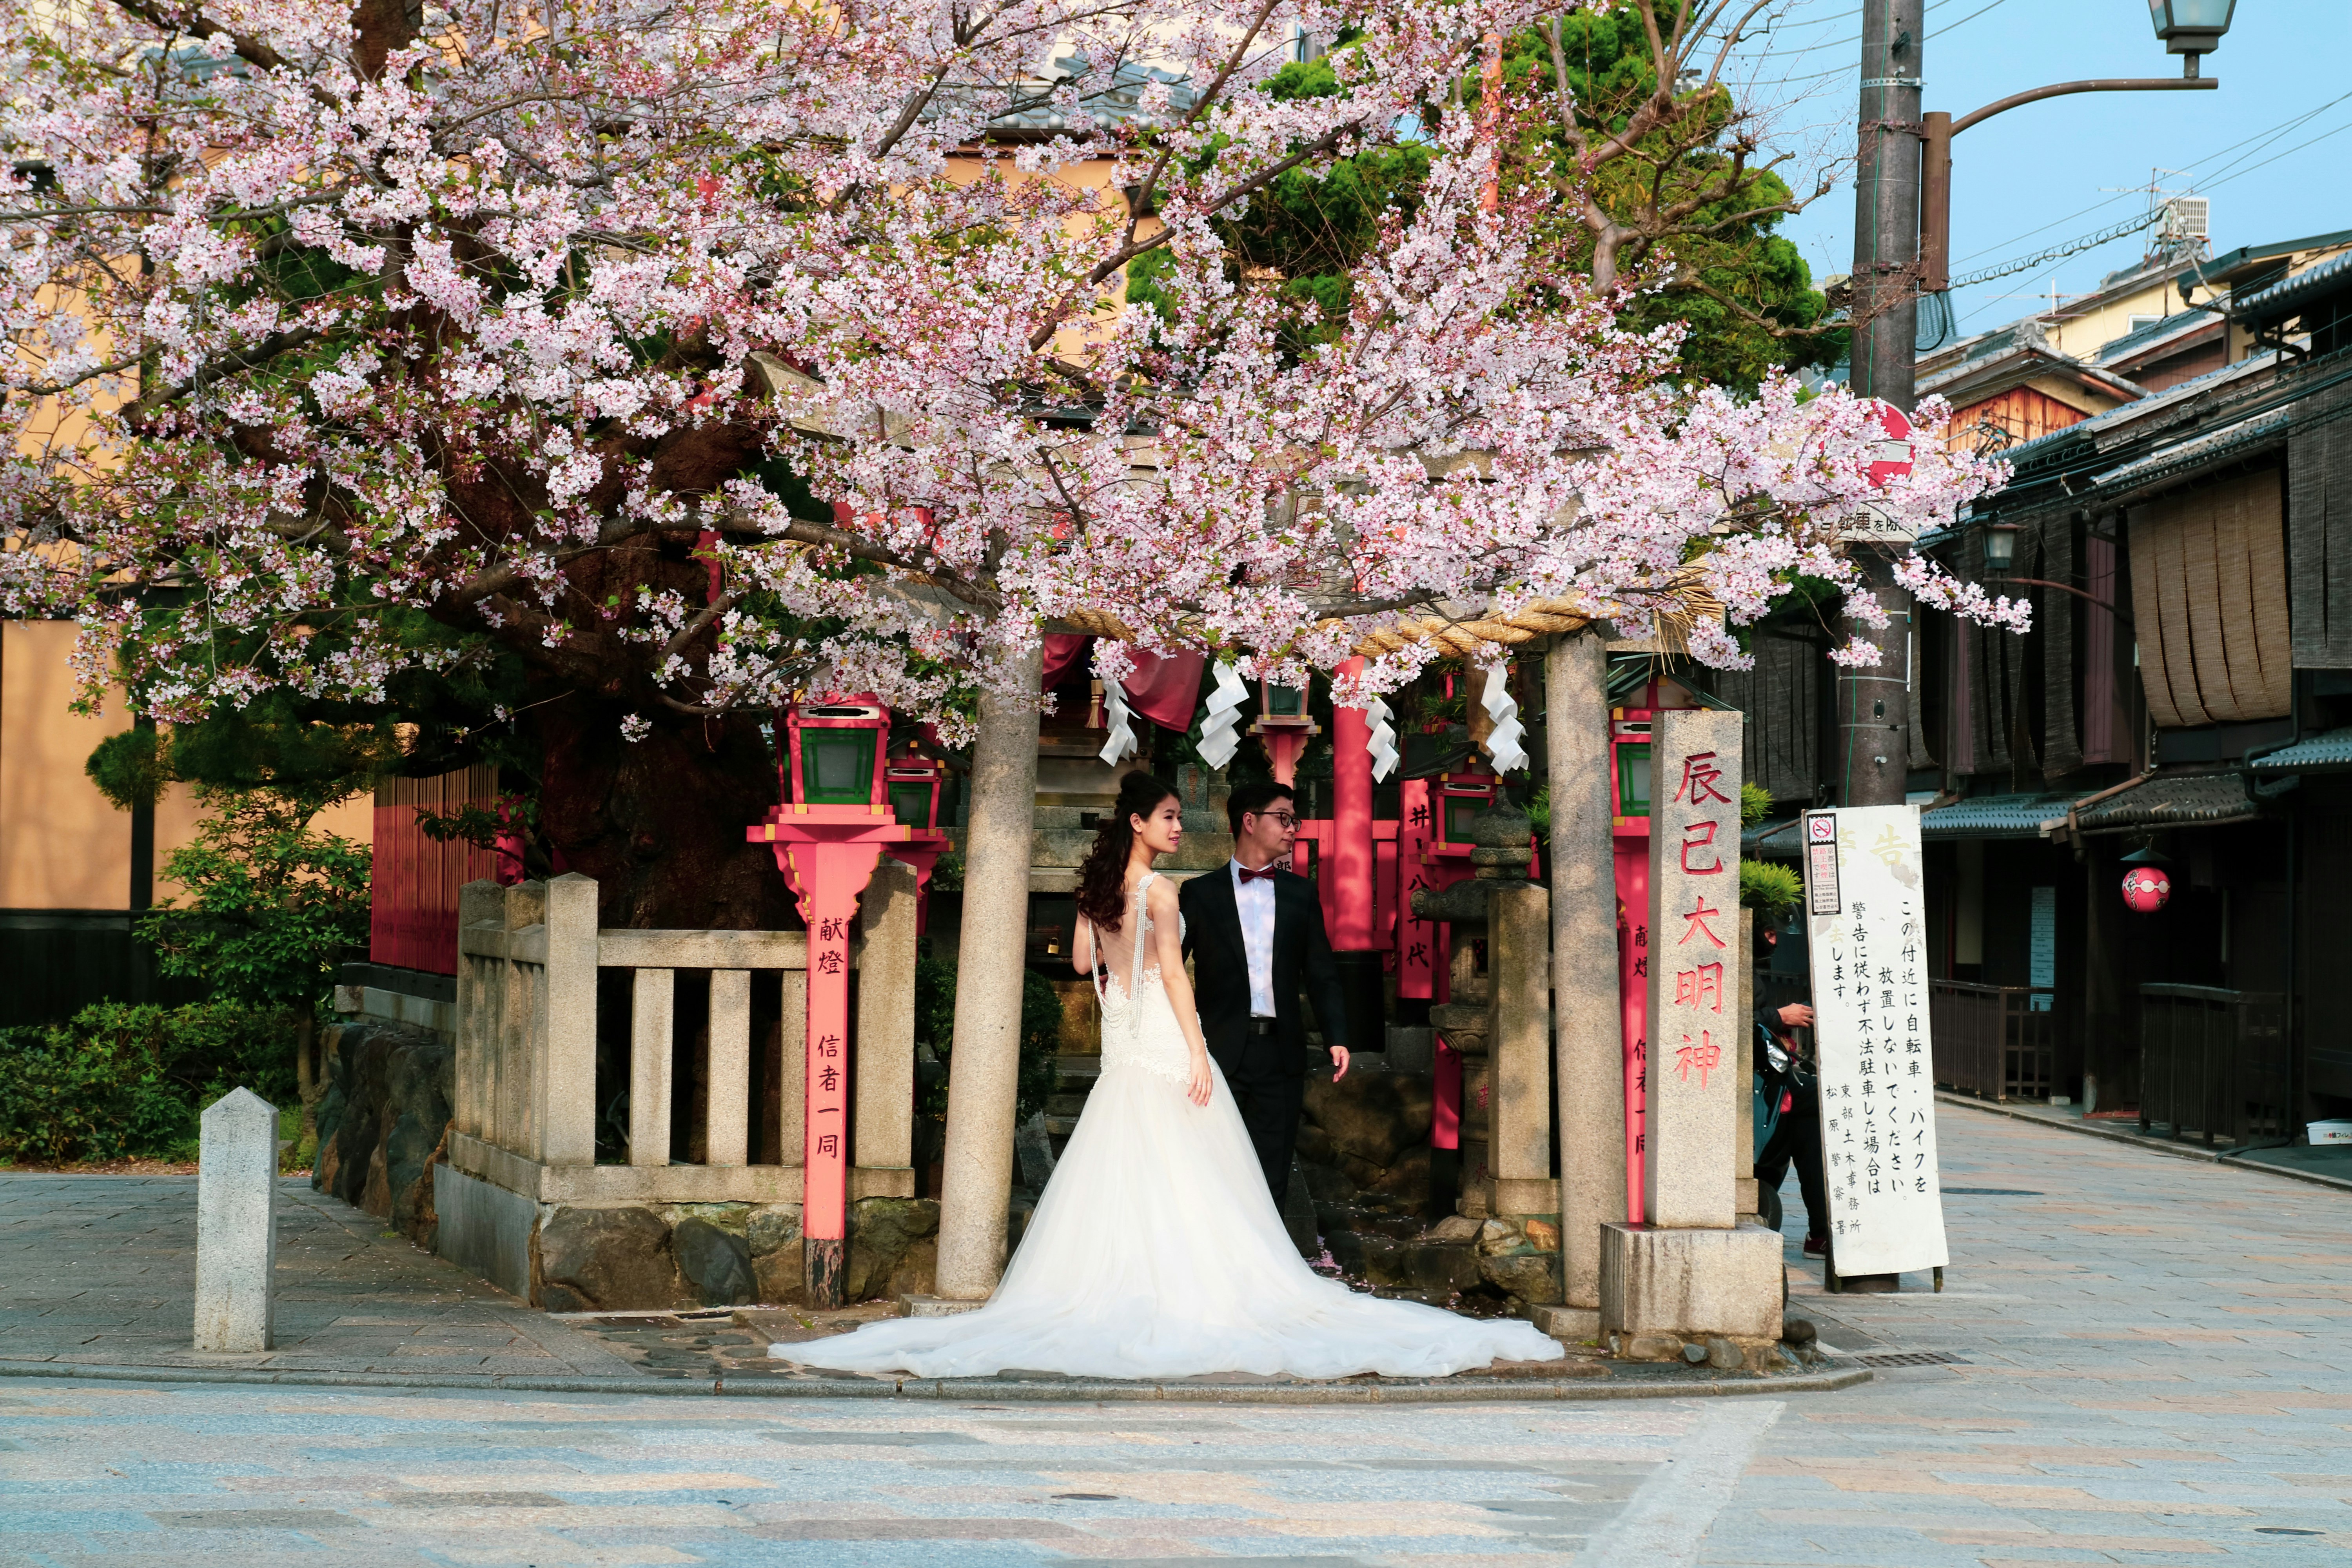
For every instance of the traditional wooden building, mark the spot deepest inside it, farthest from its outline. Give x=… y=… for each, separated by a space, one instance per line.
x=2184 y=703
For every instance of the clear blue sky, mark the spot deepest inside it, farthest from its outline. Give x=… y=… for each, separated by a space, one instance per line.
x=2047 y=172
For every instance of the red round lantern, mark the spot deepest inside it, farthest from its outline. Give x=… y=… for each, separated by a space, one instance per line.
x=2145 y=889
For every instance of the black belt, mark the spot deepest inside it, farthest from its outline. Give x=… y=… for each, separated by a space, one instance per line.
x=1263 y=1025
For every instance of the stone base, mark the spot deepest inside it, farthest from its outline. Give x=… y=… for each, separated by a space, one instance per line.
x=1690 y=1283
x=572 y=1257
x=1524 y=1195
x=1572 y=1325
x=1743 y=1194
x=916 y=1305
x=485 y=1230
x=1721 y=1352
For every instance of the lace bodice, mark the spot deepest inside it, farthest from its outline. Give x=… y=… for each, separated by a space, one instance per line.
x=1139 y=1031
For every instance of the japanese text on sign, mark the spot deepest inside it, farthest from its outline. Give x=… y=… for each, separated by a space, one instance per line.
x=1878 y=1061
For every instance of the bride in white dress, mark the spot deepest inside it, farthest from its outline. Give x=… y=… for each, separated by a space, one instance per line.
x=1156 y=1249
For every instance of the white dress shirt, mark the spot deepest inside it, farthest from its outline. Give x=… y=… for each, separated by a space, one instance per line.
x=1254 y=899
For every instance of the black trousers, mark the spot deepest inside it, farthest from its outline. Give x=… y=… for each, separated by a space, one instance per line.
x=1798 y=1140
x=1268 y=1090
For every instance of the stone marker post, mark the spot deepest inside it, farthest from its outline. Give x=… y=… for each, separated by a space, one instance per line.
x=236 y=1223
x=1691 y=1273
x=1695 y=964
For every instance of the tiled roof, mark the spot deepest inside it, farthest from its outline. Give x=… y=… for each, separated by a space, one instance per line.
x=2163 y=329
x=2288 y=295
x=2179 y=392
x=2312 y=753
x=1994 y=816
x=2246 y=435
x=2182 y=800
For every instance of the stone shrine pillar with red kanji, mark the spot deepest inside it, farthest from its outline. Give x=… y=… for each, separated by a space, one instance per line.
x=1691 y=1272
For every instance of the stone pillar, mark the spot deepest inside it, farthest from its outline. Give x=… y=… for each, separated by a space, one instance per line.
x=1692 y=1272
x=237 y=1223
x=652 y=1040
x=1518 y=965
x=513 y=1083
x=1589 y=1072
x=984 y=1067
x=726 y=1084
x=481 y=993
x=564 y=1030
x=884 y=1076
x=1695 y=964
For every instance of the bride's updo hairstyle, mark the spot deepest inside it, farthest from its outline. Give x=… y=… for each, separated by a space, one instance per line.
x=1102 y=880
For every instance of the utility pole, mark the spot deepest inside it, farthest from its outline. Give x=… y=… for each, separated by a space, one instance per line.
x=1873 y=701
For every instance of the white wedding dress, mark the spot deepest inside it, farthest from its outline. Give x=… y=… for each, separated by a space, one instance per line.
x=1156 y=1251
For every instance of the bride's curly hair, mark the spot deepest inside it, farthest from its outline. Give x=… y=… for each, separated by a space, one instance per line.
x=1102 y=877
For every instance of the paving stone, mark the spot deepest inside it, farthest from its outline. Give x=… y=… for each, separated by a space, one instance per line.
x=2153 y=1371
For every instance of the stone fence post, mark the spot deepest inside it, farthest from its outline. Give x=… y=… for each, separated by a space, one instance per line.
x=237 y=1223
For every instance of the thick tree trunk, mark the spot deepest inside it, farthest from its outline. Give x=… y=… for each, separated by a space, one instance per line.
x=659 y=822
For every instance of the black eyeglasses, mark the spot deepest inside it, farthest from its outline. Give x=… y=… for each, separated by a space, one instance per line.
x=1288 y=819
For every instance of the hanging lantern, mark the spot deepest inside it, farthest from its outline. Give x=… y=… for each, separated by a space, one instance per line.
x=2145 y=889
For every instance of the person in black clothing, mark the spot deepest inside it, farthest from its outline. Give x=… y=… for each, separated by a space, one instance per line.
x=1792 y=1087
x=1255 y=936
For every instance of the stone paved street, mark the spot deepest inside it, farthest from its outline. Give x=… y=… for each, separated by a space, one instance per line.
x=2153 y=1370
x=101 y=1270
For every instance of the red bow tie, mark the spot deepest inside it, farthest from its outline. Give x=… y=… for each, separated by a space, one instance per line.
x=1250 y=876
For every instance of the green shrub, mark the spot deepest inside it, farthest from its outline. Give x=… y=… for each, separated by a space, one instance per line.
x=1041 y=1032
x=1771 y=889
x=122 y=1081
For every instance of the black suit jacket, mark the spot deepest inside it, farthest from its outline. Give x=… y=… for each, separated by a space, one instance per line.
x=1302 y=961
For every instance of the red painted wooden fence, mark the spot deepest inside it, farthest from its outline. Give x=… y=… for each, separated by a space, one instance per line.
x=412 y=919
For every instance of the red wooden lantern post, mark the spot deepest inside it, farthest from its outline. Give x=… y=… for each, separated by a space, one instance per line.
x=1453 y=799
x=1283 y=727
x=1347 y=888
x=828 y=838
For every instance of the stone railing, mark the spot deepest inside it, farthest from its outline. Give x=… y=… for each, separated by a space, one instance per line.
x=551 y=1051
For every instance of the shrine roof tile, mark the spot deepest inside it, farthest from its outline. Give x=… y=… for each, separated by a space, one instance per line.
x=2180 y=800
x=2314 y=753
x=1994 y=816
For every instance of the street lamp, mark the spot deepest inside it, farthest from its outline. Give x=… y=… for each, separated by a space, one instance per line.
x=2190 y=27
x=1999 y=546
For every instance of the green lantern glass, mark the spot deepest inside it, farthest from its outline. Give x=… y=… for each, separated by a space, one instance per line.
x=838 y=766
x=1633 y=781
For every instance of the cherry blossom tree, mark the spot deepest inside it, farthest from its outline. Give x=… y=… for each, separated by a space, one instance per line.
x=683 y=355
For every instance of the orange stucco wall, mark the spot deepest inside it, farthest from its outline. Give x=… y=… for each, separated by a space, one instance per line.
x=62 y=845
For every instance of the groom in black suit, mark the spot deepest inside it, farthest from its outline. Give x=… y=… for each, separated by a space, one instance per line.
x=1255 y=937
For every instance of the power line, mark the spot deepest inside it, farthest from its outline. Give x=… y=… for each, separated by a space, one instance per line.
x=2276 y=156
x=2265 y=136
x=1841 y=43
x=2060 y=252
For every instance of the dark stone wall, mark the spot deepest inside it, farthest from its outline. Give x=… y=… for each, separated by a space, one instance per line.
x=655 y=1257
x=384 y=1121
